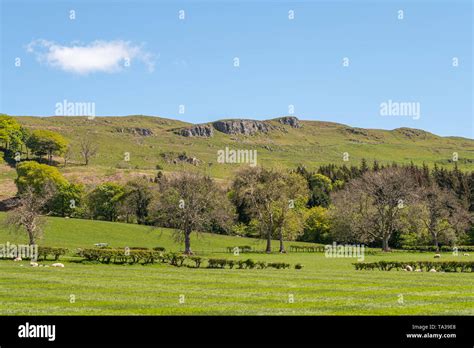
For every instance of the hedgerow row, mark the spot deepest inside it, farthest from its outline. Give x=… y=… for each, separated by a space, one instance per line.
x=444 y=266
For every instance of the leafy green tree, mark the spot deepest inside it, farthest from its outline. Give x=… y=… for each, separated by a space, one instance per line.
x=37 y=176
x=105 y=200
x=11 y=133
x=266 y=195
x=67 y=199
x=44 y=142
x=137 y=198
x=316 y=225
x=320 y=187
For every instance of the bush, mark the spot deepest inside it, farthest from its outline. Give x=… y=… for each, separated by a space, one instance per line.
x=159 y=249
x=216 y=263
x=279 y=265
x=131 y=256
x=444 y=266
x=261 y=264
x=197 y=261
x=44 y=252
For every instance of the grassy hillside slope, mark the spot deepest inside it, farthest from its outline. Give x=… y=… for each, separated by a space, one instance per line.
x=313 y=144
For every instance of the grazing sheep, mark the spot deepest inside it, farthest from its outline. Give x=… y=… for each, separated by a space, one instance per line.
x=465 y=254
x=403 y=269
x=437 y=256
x=16 y=259
x=33 y=264
x=418 y=270
x=57 y=265
x=409 y=268
x=433 y=270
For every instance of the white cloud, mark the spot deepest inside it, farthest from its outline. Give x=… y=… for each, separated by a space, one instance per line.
x=97 y=56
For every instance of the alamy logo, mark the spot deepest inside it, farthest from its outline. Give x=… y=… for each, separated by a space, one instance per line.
x=393 y=108
x=344 y=251
x=37 y=331
x=12 y=251
x=67 y=108
x=237 y=156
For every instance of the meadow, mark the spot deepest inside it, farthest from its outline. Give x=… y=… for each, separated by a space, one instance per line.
x=325 y=286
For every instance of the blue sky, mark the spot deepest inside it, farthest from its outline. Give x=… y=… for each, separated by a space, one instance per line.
x=282 y=62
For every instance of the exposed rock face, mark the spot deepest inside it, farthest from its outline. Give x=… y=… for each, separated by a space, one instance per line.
x=290 y=121
x=145 y=132
x=245 y=127
x=199 y=130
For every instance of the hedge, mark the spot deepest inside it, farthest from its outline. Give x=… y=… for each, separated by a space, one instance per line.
x=446 y=248
x=44 y=252
x=444 y=266
x=307 y=249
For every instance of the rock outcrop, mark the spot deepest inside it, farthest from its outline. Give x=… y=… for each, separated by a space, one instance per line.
x=245 y=127
x=144 y=132
x=290 y=121
x=199 y=130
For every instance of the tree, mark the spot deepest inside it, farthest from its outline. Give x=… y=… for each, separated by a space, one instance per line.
x=11 y=133
x=68 y=154
x=320 y=187
x=288 y=209
x=105 y=200
x=88 y=149
x=316 y=225
x=35 y=175
x=44 y=142
x=190 y=202
x=265 y=195
x=442 y=215
x=27 y=215
x=138 y=195
x=373 y=207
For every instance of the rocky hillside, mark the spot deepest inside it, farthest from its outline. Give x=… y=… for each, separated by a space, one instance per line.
x=285 y=141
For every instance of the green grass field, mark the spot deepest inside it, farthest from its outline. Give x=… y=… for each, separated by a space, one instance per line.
x=325 y=286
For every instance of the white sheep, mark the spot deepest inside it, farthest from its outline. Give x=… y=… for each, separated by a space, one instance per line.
x=433 y=270
x=57 y=265
x=418 y=270
x=465 y=254
x=437 y=256
x=33 y=264
x=409 y=268
x=18 y=258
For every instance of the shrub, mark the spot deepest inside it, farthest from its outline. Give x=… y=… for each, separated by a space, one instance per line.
x=307 y=249
x=261 y=264
x=216 y=263
x=197 y=261
x=159 y=248
x=279 y=265
x=444 y=266
x=44 y=252
x=231 y=263
x=250 y=263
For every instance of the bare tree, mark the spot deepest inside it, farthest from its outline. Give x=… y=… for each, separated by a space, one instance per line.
x=374 y=206
x=442 y=215
x=68 y=153
x=190 y=202
x=27 y=216
x=88 y=149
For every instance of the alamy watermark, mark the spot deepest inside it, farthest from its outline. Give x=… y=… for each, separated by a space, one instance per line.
x=237 y=156
x=393 y=108
x=13 y=251
x=344 y=251
x=67 y=108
